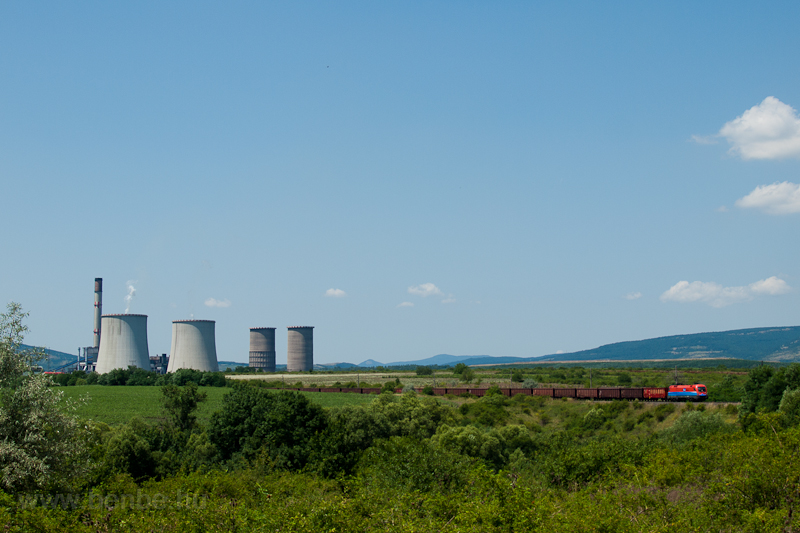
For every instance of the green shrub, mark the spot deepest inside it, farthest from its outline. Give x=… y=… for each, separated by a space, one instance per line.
x=693 y=425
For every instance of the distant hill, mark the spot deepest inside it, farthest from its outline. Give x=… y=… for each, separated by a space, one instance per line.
x=441 y=359
x=755 y=344
x=54 y=359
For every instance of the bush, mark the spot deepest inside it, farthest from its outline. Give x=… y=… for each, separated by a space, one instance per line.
x=424 y=371
x=530 y=384
x=693 y=425
x=427 y=390
x=517 y=376
x=403 y=463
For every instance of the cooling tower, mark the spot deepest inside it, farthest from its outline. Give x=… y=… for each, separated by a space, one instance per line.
x=123 y=344
x=193 y=346
x=300 y=356
x=262 y=349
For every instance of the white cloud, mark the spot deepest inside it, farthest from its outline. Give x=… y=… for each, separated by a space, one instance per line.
x=772 y=286
x=633 y=295
x=213 y=302
x=776 y=199
x=769 y=130
x=335 y=293
x=716 y=295
x=405 y=304
x=449 y=300
x=560 y=351
x=426 y=289
x=722 y=209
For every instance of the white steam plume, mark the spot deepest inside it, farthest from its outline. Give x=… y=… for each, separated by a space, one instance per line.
x=130 y=295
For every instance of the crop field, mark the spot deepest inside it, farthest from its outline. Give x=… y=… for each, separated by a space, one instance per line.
x=117 y=405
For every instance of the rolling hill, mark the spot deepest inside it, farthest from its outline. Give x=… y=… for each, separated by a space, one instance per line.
x=777 y=344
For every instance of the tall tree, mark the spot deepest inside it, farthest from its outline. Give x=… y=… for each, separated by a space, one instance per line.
x=40 y=442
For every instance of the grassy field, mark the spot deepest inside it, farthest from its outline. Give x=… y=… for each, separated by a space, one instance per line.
x=117 y=405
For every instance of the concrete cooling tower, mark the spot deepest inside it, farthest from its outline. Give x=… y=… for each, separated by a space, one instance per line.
x=193 y=346
x=300 y=356
x=123 y=343
x=262 y=349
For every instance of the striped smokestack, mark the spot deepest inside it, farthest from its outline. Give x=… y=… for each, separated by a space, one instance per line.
x=98 y=309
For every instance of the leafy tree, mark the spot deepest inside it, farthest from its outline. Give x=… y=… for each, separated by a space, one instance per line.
x=281 y=425
x=129 y=451
x=40 y=443
x=459 y=368
x=424 y=371
x=181 y=404
x=350 y=431
x=517 y=376
x=624 y=379
x=467 y=375
x=790 y=407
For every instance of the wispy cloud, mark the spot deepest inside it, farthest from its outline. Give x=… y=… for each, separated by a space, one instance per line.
x=405 y=304
x=707 y=139
x=424 y=290
x=633 y=295
x=335 y=293
x=769 y=130
x=716 y=295
x=449 y=300
x=776 y=199
x=213 y=302
x=722 y=209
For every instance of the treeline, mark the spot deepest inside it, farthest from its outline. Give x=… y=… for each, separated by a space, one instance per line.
x=133 y=376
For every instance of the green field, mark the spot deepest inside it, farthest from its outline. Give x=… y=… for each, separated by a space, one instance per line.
x=117 y=405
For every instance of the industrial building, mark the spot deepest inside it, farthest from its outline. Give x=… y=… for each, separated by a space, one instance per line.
x=262 y=349
x=123 y=343
x=300 y=354
x=193 y=346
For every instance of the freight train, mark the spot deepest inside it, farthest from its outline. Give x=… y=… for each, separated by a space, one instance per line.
x=697 y=392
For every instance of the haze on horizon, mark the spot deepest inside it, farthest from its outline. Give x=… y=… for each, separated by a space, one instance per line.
x=411 y=179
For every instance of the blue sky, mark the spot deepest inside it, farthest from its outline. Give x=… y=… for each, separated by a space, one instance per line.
x=410 y=178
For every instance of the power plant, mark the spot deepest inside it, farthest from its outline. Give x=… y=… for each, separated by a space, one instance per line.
x=123 y=343
x=300 y=354
x=120 y=341
x=193 y=346
x=262 y=349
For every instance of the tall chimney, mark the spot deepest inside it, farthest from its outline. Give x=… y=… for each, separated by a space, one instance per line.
x=98 y=309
